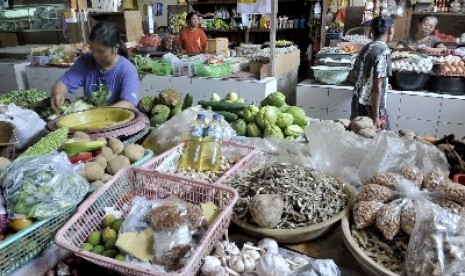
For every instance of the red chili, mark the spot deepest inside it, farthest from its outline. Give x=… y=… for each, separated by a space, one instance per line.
x=81 y=157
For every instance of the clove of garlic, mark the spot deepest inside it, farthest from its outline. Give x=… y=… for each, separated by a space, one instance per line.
x=210 y=263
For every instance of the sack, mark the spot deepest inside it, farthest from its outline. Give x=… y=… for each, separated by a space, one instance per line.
x=29 y=127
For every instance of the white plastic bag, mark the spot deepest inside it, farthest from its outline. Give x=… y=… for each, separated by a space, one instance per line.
x=356 y=159
x=29 y=127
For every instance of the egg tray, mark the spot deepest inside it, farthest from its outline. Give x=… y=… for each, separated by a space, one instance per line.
x=442 y=73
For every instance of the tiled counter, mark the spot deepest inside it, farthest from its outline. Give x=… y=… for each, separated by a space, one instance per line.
x=426 y=113
x=43 y=78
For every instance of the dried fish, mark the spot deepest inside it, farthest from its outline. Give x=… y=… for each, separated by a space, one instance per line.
x=309 y=196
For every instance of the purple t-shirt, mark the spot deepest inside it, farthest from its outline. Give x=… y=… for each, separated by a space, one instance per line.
x=122 y=80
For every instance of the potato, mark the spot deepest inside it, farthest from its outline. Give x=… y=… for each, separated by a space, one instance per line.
x=102 y=161
x=134 y=152
x=92 y=171
x=107 y=153
x=118 y=163
x=116 y=145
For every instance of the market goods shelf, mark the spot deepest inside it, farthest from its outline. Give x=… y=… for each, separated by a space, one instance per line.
x=440 y=13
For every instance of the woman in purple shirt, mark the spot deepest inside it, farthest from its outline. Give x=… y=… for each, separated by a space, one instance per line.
x=106 y=66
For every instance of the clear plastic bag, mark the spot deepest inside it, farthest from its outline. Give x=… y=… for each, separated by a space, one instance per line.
x=42 y=186
x=29 y=127
x=317 y=267
x=177 y=130
x=356 y=159
x=172 y=238
x=437 y=243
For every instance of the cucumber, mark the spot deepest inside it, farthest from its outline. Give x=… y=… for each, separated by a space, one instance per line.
x=187 y=102
x=221 y=105
x=228 y=116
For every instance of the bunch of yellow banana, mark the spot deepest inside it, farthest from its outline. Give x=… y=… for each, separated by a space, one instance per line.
x=179 y=22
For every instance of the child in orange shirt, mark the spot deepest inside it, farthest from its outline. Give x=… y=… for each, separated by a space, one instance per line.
x=193 y=39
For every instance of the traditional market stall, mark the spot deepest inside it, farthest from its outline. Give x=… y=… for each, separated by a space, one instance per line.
x=217 y=171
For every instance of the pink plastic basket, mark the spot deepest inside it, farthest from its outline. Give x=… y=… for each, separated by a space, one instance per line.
x=234 y=151
x=132 y=182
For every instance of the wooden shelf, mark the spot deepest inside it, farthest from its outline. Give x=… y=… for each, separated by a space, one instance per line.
x=440 y=13
x=212 y=3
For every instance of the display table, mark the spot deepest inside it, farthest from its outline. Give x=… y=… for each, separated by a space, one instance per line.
x=426 y=113
x=13 y=74
x=43 y=79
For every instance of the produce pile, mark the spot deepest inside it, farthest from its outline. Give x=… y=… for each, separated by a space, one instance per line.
x=384 y=203
x=385 y=213
x=160 y=234
x=288 y=197
x=167 y=104
x=102 y=158
x=273 y=118
x=454 y=149
x=261 y=260
x=103 y=242
x=361 y=125
x=23 y=98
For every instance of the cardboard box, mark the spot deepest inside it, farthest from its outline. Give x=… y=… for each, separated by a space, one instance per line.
x=282 y=64
x=218 y=45
x=8 y=140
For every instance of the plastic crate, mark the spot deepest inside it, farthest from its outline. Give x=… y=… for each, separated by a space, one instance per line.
x=162 y=68
x=213 y=70
x=132 y=182
x=234 y=151
x=25 y=245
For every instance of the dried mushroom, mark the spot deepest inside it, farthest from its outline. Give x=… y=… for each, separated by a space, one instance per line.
x=375 y=192
x=364 y=213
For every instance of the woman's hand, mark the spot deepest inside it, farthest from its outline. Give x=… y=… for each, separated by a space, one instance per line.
x=57 y=99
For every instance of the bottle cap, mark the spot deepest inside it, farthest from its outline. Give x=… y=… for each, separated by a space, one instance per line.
x=201 y=116
x=217 y=116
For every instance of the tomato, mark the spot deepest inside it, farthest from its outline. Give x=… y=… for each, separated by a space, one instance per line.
x=81 y=157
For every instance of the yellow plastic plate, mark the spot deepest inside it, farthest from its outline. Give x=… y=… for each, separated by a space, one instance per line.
x=99 y=118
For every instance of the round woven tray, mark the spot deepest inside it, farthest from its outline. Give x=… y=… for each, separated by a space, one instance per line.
x=52 y=125
x=137 y=125
x=300 y=234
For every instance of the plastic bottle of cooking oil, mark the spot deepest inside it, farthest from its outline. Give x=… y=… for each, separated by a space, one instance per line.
x=211 y=146
x=190 y=158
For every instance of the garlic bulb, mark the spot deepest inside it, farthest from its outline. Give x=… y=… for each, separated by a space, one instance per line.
x=210 y=265
x=268 y=245
x=252 y=251
x=225 y=248
x=272 y=265
x=218 y=271
x=241 y=263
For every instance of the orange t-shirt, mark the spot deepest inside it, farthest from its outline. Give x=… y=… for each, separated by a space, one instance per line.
x=193 y=41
